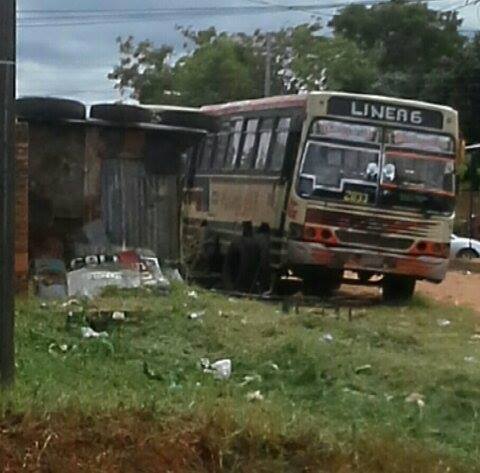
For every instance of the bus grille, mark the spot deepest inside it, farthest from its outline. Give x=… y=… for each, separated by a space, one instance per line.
x=370 y=239
x=372 y=224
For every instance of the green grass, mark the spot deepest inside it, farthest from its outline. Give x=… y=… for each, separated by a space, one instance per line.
x=349 y=392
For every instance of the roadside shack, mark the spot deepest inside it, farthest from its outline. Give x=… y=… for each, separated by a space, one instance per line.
x=108 y=178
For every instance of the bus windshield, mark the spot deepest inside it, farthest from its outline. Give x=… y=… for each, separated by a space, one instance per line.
x=385 y=167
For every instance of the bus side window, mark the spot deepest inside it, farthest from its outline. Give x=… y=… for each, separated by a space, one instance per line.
x=265 y=138
x=221 y=149
x=206 y=152
x=280 y=144
x=250 y=139
x=234 y=144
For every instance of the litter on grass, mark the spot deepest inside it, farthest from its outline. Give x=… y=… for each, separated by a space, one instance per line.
x=328 y=337
x=88 y=332
x=119 y=316
x=416 y=398
x=363 y=369
x=255 y=396
x=221 y=369
x=196 y=315
x=443 y=322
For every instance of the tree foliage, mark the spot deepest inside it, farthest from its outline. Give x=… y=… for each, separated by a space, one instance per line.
x=397 y=48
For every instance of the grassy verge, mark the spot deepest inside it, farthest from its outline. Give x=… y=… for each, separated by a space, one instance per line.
x=333 y=389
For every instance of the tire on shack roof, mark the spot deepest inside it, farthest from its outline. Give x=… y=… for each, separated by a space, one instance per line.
x=49 y=108
x=120 y=113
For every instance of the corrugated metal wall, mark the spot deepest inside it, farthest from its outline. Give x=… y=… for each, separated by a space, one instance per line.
x=140 y=210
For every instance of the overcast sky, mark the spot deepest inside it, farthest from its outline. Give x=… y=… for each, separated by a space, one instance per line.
x=73 y=61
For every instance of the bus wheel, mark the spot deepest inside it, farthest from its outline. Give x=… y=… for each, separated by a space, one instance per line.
x=397 y=289
x=241 y=265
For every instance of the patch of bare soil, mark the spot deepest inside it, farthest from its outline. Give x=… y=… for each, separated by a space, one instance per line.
x=458 y=288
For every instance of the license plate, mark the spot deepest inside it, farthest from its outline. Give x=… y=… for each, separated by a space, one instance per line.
x=355 y=197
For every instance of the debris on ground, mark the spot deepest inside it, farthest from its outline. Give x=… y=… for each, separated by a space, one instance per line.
x=173 y=275
x=250 y=379
x=71 y=302
x=119 y=316
x=49 y=278
x=443 y=322
x=131 y=269
x=328 y=337
x=221 y=369
x=58 y=349
x=363 y=369
x=416 y=398
x=196 y=315
x=88 y=332
x=192 y=294
x=475 y=337
x=470 y=359
x=91 y=281
x=255 y=396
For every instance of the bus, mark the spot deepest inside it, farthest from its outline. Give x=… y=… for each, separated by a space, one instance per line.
x=322 y=186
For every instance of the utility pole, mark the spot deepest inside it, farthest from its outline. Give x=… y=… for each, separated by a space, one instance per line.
x=268 y=67
x=7 y=188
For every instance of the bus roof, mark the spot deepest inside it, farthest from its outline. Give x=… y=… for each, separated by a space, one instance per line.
x=300 y=101
x=384 y=98
x=268 y=103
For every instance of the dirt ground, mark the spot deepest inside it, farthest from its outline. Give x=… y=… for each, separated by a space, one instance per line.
x=458 y=288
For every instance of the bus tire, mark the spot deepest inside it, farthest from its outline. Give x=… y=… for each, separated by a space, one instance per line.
x=49 y=109
x=241 y=265
x=397 y=289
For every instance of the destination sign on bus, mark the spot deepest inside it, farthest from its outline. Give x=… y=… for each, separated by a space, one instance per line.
x=385 y=112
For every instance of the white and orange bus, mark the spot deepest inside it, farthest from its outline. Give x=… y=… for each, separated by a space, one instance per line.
x=322 y=183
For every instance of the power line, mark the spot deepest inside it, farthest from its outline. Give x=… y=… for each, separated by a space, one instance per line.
x=79 y=17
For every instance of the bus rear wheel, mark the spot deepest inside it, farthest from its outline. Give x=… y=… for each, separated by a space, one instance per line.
x=397 y=289
x=241 y=265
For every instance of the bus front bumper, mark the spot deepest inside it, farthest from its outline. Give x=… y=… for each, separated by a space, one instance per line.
x=315 y=254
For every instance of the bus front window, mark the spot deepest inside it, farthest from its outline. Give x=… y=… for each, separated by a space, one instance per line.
x=422 y=171
x=339 y=158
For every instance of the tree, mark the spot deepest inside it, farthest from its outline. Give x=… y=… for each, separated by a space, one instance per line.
x=415 y=46
x=218 y=67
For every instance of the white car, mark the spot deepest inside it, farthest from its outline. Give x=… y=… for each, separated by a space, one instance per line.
x=461 y=247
